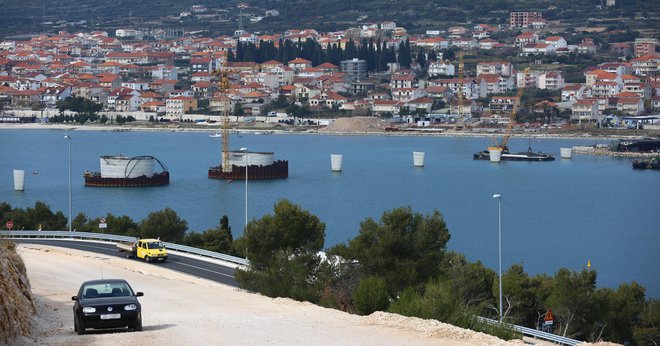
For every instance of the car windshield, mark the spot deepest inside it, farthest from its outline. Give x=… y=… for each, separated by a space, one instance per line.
x=106 y=290
x=155 y=245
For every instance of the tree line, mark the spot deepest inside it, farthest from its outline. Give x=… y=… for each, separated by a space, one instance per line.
x=86 y=111
x=375 y=53
x=399 y=263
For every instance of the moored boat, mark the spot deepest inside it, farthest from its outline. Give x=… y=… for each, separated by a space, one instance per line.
x=652 y=163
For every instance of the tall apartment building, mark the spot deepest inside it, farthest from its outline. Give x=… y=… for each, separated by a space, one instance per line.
x=645 y=46
x=523 y=19
x=356 y=69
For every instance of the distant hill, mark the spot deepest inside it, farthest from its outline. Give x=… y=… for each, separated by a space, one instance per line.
x=24 y=17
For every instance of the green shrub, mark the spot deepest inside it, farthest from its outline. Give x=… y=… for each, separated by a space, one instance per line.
x=370 y=296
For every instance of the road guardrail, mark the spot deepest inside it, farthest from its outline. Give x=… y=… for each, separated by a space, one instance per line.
x=119 y=238
x=562 y=340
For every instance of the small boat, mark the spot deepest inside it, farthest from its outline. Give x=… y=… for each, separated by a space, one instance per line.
x=653 y=163
x=215 y=135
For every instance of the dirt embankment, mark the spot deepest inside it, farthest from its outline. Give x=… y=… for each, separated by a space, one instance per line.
x=355 y=125
x=16 y=303
x=179 y=309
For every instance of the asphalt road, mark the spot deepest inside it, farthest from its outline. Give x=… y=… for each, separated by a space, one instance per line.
x=190 y=266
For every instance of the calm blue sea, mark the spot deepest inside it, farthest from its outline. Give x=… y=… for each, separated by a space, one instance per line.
x=554 y=214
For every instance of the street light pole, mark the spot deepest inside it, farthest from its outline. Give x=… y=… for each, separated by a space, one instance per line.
x=245 y=156
x=499 y=217
x=68 y=138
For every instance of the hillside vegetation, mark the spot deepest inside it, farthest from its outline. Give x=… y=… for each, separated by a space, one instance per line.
x=28 y=17
x=16 y=305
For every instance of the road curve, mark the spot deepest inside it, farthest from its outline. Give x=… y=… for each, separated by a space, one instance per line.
x=190 y=266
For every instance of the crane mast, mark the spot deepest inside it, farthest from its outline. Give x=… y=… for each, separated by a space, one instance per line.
x=514 y=111
x=223 y=86
x=460 y=85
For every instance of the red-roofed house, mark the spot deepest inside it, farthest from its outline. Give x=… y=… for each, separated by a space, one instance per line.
x=203 y=64
x=526 y=38
x=647 y=65
x=176 y=107
x=557 y=41
x=153 y=106
x=601 y=76
x=503 y=104
x=504 y=68
x=299 y=64
x=584 y=110
x=327 y=99
x=538 y=48
x=385 y=106
x=423 y=103
x=628 y=105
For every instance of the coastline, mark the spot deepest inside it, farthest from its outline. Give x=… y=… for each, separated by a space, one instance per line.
x=277 y=130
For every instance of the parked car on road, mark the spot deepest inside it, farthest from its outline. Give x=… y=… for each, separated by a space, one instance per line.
x=110 y=303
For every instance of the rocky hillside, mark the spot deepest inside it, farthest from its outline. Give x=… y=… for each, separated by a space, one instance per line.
x=17 y=305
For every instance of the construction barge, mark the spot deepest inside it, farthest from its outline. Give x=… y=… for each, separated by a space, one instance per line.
x=123 y=171
x=528 y=155
x=260 y=166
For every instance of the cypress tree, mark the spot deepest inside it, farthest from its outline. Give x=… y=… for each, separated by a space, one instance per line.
x=280 y=51
x=421 y=58
x=239 y=51
x=362 y=51
x=382 y=58
x=432 y=56
x=371 y=57
x=350 y=52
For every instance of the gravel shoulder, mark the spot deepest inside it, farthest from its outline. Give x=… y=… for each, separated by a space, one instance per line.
x=180 y=309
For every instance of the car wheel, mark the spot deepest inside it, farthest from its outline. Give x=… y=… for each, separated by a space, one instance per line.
x=147 y=259
x=127 y=255
x=78 y=327
x=138 y=325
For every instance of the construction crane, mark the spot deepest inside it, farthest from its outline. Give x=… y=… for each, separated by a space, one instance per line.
x=460 y=85
x=512 y=118
x=223 y=86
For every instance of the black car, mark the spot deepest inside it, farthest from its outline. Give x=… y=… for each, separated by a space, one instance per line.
x=106 y=304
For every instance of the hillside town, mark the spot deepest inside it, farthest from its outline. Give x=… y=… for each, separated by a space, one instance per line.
x=460 y=75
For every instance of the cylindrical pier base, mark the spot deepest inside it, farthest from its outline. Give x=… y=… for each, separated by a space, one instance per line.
x=418 y=158
x=566 y=153
x=335 y=162
x=495 y=155
x=19 y=180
